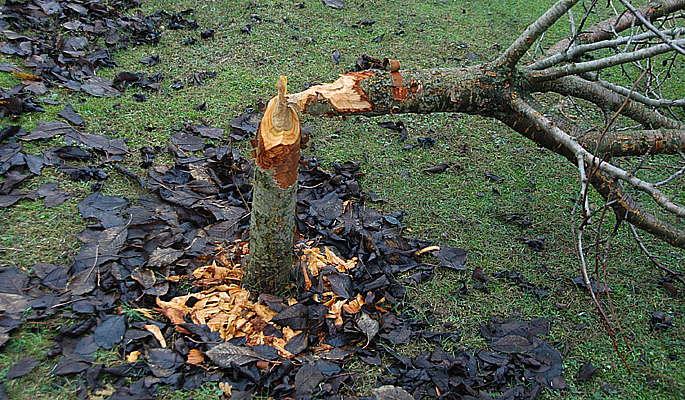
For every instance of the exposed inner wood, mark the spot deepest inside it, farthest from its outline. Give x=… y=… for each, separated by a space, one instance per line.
x=281 y=123
x=345 y=95
x=278 y=139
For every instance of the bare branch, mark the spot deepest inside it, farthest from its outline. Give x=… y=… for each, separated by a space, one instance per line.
x=607 y=100
x=641 y=98
x=602 y=63
x=576 y=51
x=635 y=142
x=584 y=198
x=513 y=54
x=623 y=205
x=608 y=28
x=652 y=28
x=568 y=141
x=677 y=175
x=653 y=259
x=627 y=208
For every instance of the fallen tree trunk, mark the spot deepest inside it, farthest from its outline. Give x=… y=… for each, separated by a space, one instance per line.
x=276 y=152
x=503 y=90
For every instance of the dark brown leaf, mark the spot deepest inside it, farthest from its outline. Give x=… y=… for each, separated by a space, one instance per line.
x=452 y=257
x=13 y=303
x=493 y=177
x=46 y=130
x=163 y=256
x=110 y=332
x=437 y=168
x=13 y=281
x=307 y=380
x=71 y=116
x=294 y=316
x=96 y=204
x=585 y=372
x=68 y=365
x=22 y=367
x=512 y=344
x=99 y=87
x=297 y=344
x=187 y=142
x=368 y=326
x=83 y=282
x=209 y=132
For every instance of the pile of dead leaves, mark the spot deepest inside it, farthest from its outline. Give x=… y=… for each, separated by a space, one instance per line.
x=94 y=30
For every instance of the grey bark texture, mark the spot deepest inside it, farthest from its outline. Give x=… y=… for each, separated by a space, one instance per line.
x=272 y=226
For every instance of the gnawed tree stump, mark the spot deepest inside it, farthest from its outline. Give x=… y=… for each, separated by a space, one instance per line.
x=276 y=152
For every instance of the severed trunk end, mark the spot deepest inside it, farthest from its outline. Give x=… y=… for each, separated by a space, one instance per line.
x=276 y=152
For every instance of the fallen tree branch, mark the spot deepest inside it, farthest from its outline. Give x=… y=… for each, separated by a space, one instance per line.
x=642 y=98
x=613 y=171
x=652 y=28
x=607 y=100
x=575 y=52
x=602 y=63
x=608 y=28
x=635 y=142
x=513 y=54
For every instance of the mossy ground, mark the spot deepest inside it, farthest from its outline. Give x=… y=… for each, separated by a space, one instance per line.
x=459 y=207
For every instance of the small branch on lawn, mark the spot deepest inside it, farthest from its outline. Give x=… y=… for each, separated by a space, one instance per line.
x=676 y=275
x=588 y=286
x=513 y=54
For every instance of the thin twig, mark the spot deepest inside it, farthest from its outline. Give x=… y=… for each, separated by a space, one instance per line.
x=600 y=309
x=652 y=27
x=676 y=275
x=576 y=51
x=601 y=63
x=572 y=145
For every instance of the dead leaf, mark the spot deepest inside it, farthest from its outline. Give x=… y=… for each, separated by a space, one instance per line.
x=389 y=392
x=336 y=4
x=368 y=326
x=195 y=357
x=225 y=354
x=156 y=332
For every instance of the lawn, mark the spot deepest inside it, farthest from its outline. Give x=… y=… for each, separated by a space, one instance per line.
x=460 y=207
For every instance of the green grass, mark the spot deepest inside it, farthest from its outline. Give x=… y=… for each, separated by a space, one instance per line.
x=458 y=207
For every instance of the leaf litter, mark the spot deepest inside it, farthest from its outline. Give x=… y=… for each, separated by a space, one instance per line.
x=192 y=231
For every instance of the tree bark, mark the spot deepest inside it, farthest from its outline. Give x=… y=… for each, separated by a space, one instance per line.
x=276 y=153
x=503 y=89
x=488 y=90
